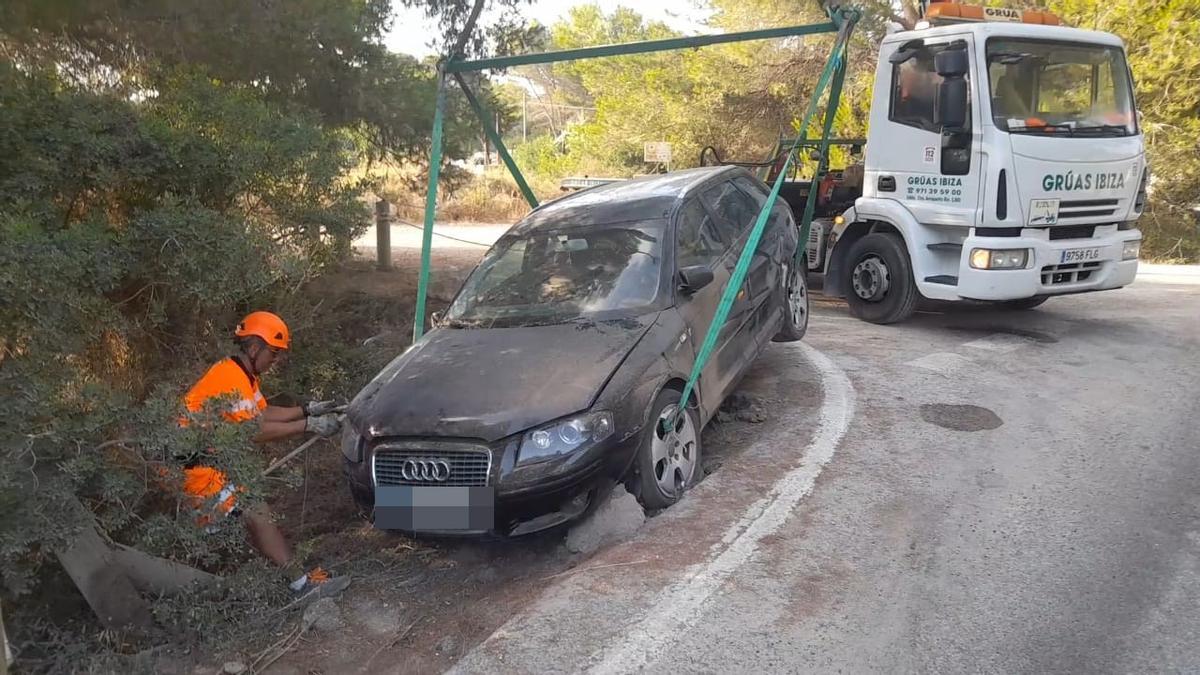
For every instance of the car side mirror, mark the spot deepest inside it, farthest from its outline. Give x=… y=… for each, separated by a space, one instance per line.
x=694 y=277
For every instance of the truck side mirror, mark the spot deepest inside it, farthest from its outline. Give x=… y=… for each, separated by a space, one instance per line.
x=951 y=63
x=952 y=104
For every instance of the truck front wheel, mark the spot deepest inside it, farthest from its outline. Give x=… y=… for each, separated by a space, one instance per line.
x=879 y=282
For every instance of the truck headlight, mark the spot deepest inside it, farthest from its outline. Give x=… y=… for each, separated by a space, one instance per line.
x=565 y=436
x=352 y=443
x=1132 y=250
x=999 y=259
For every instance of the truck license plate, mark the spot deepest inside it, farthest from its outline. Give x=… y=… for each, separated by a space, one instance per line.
x=1077 y=255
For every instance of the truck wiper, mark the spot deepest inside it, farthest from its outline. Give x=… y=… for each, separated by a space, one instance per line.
x=1120 y=129
x=1042 y=128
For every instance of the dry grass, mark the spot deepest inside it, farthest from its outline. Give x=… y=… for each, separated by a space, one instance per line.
x=491 y=197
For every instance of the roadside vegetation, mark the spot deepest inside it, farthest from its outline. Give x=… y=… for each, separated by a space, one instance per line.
x=155 y=185
x=591 y=118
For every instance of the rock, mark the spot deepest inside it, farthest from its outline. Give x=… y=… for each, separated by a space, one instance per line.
x=753 y=415
x=324 y=615
x=737 y=401
x=614 y=520
x=233 y=668
x=447 y=645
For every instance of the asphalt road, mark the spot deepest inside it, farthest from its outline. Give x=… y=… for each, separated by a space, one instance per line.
x=969 y=491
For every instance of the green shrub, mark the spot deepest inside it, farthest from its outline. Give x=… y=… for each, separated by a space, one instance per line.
x=135 y=233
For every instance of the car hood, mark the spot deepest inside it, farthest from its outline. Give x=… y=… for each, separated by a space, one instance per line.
x=496 y=382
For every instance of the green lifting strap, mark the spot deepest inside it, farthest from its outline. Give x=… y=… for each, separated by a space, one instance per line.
x=833 y=67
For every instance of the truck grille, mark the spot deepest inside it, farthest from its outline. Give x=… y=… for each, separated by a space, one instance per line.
x=1071 y=232
x=427 y=466
x=1071 y=273
x=1087 y=208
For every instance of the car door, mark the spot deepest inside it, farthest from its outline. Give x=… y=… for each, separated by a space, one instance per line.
x=735 y=213
x=766 y=271
x=699 y=241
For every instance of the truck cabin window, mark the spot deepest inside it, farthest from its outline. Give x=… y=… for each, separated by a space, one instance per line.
x=1071 y=89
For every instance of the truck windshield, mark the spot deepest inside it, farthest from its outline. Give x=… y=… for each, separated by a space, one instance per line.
x=1069 y=89
x=559 y=275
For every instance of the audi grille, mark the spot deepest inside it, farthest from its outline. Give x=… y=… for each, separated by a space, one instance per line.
x=428 y=466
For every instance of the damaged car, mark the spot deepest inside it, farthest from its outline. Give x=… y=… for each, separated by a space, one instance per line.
x=553 y=368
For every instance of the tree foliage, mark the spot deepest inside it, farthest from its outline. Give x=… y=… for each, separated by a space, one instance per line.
x=740 y=98
x=1160 y=38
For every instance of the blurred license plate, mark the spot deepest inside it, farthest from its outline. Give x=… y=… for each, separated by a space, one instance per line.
x=1077 y=255
x=418 y=508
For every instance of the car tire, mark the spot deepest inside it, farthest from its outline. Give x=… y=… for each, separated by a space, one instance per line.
x=794 y=302
x=665 y=466
x=364 y=499
x=878 y=279
x=1023 y=303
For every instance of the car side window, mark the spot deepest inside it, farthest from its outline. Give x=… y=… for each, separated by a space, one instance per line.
x=735 y=210
x=699 y=242
x=752 y=188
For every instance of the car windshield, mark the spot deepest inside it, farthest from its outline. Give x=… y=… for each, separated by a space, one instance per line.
x=558 y=275
x=1060 y=88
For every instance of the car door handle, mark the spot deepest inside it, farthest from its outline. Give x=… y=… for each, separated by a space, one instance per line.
x=887 y=183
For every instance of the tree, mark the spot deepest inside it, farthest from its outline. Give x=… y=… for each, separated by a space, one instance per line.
x=1160 y=38
x=325 y=56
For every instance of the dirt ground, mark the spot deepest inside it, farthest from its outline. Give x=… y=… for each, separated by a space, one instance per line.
x=415 y=605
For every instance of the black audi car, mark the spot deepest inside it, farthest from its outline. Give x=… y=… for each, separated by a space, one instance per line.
x=567 y=345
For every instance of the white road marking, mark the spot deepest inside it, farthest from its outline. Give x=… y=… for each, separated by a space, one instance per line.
x=1000 y=343
x=946 y=363
x=679 y=606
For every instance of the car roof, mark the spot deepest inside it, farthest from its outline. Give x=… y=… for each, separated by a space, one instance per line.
x=642 y=198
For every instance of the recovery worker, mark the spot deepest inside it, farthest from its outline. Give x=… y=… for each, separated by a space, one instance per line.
x=261 y=337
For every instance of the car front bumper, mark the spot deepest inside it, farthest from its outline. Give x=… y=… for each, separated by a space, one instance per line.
x=1047 y=273
x=528 y=498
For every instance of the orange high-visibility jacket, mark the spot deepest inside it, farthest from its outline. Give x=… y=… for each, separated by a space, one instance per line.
x=224 y=378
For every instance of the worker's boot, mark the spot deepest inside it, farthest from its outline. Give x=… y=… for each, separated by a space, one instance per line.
x=317 y=583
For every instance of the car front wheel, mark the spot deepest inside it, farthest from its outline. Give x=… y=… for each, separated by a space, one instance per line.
x=794 y=279
x=668 y=461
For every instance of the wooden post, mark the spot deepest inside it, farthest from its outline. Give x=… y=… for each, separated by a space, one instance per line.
x=383 y=235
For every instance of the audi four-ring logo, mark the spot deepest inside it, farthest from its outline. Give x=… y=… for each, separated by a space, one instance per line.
x=432 y=470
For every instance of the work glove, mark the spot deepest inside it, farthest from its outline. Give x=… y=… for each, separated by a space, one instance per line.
x=322 y=425
x=319 y=407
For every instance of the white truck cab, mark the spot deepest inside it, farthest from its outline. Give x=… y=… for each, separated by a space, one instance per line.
x=1004 y=162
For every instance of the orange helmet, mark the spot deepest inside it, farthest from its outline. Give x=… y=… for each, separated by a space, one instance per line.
x=267 y=326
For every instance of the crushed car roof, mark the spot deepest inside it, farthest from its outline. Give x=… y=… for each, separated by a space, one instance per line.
x=643 y=198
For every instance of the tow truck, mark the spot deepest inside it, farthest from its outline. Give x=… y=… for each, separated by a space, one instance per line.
x=1004 y=163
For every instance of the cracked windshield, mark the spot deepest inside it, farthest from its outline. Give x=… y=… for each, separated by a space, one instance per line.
x=559 y=275
x=1055 y=87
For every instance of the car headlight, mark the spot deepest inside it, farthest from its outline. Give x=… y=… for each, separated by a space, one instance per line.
x=352 y=443
x=999 y=259
x=565 y=436
x=1132 y=250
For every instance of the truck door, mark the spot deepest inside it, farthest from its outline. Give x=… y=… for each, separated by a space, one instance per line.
x=911 y=157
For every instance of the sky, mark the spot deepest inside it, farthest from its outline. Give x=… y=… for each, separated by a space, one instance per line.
x=411 y=31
